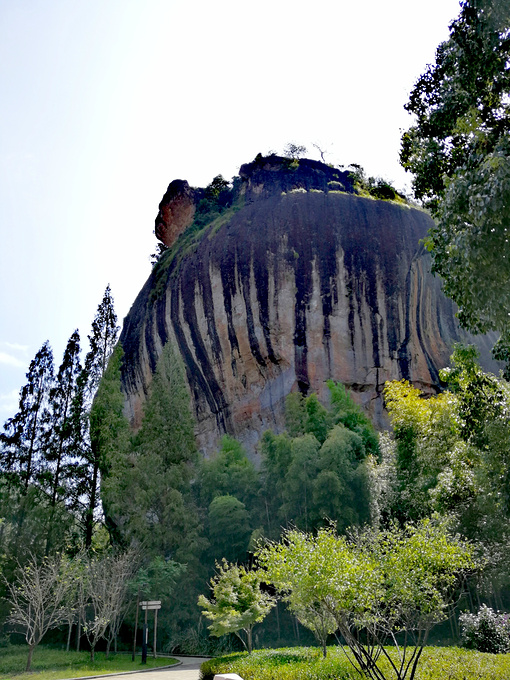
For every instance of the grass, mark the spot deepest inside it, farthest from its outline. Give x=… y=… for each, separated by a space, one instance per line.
x=437 y=663
x=54 y=664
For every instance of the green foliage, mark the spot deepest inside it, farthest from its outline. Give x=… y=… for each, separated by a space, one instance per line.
x=295 y=414
x=55 y=664
x=229 y=528
x=216 y=205
x=459 y=152
x=377 y=582
x=109 y=429
x=320 y=471
x=425 y=431
x=148 y=491
x=229 y=472
x=376 y=187
x=347 y=412
x=451 y=449
x=300 y=663
x=316 y=418
x=237 y=602
x=156 y=580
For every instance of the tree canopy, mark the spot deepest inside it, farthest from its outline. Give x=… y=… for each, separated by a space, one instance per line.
x=459 y=152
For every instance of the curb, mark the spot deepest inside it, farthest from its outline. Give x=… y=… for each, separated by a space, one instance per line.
x=112 y=675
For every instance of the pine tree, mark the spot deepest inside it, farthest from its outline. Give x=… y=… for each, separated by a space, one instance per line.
x=61 y=450
x=24 y=434
x=102 y=342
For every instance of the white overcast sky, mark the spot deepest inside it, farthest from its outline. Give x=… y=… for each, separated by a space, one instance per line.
x=104 y=102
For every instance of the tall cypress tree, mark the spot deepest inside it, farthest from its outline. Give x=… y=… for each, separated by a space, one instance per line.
x=24 y=434
x=61 y=447
x=102 y=342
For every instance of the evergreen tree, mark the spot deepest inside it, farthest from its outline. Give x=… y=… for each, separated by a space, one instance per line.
x=60 y=450
x=23 y=434
x=148 y=491
x=102 y=342
x=229 y=473
x=109 y=429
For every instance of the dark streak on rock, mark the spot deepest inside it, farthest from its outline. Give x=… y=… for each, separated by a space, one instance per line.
x=199 y=387
x=227 y=268
x=190 y=275
x=244 y=260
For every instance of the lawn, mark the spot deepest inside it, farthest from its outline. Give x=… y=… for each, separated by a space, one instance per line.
x=437 y=663
x=53 y=664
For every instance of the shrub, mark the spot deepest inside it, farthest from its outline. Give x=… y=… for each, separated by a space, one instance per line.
x=487 y=631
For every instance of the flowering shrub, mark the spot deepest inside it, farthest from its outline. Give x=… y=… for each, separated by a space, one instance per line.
x=487 y=631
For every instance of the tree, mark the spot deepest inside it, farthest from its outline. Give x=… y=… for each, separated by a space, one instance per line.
x=60 y=451
x=39 y=599
x=106 y=585
x=452 y=449
x=425 y=431
x=147 y=490
x=109 y=429
x=459 y=152
x=229 y=472
x=23 y=435
x=374 y=585
x=294 y=151
x=237 y=602
x=155 y=580
x=229 y=528
x=102 y=342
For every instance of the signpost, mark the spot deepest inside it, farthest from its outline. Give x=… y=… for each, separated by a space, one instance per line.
x=146 y=605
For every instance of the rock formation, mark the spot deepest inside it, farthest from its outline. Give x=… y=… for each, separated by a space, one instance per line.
x=298 y=280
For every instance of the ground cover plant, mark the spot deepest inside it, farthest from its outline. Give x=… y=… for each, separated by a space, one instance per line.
x=53 y=664
x=298 y=663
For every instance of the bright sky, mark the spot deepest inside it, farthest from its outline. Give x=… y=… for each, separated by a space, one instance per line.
x=104 y=102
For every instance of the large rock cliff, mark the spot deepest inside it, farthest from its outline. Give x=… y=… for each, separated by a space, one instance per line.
x=297 y=279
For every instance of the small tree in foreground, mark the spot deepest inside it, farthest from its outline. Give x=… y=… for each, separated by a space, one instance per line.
x=375 y=586
x=39 y=599
x=238 y=602
x=105 y=589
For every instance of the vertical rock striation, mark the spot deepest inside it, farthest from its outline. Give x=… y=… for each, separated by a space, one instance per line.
x=306 y=282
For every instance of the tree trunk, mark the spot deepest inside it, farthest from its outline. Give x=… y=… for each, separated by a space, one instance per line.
x=136 y=625
x=69 y=636
x=29 y=659
x=92 y=653
x=89 y=515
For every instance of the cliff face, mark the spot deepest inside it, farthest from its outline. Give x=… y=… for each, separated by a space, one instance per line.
x=307 y=281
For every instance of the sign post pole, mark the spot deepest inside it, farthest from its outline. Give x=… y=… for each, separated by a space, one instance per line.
x=144 y=643
x=155 y=631
x=146 y=605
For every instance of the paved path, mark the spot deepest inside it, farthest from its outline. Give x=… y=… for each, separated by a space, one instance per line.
x=188 y=670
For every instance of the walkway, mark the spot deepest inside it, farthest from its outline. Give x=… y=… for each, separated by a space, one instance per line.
x=187 y=670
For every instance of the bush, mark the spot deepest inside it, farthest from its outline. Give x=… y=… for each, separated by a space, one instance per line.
x=487 y=631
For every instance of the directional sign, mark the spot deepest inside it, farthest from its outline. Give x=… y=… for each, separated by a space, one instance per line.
x=150 y=604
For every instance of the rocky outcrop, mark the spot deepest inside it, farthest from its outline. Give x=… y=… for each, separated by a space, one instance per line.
x=176 y=212
x=307 y=281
